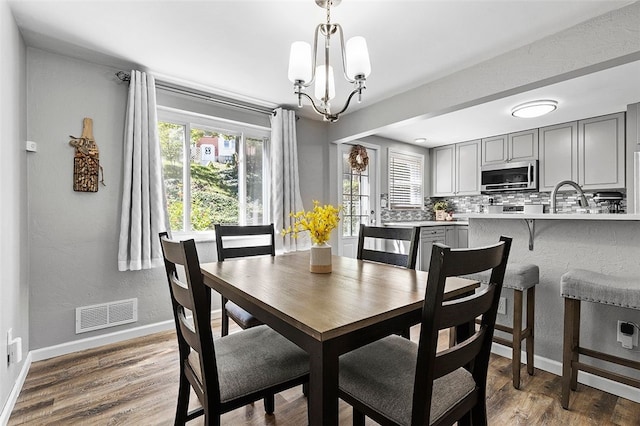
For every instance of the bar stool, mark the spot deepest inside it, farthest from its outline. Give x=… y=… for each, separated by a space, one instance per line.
x=578 y=285
x=519 y=277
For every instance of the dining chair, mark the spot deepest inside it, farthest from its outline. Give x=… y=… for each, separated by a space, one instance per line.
x=396 y=381
x=388 y=235
x=229 y=372
x=228 y=247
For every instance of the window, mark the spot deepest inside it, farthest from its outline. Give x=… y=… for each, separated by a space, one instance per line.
x=355 y=198
x=405 y=180
x=215 y=171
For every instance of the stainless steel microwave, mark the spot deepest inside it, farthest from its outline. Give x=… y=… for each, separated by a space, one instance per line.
x=517 y=176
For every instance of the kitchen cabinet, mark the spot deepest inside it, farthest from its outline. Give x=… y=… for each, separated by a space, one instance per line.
x=454 y=236
x=590 y=152
x=456 y=169
x=520 y=146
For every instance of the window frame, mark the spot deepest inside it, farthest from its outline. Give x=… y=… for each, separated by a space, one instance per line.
x=410 y=159
x=189 y=120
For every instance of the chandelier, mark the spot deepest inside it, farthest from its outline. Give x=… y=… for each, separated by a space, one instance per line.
x=303 y=71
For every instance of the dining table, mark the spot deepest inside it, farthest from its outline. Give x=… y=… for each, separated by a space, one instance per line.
x=326 y=314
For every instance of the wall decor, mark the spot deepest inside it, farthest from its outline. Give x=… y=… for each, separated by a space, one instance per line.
x=86 y=162
x=358 y=158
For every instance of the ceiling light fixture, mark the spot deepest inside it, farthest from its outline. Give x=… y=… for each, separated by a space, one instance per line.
x=534 y=108
x=303 y=71
x=420 y=140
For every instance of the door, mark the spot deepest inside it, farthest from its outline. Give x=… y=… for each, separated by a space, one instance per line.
x=358 y=193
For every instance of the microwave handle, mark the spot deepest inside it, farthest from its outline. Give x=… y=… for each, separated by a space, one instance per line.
x=529 y=174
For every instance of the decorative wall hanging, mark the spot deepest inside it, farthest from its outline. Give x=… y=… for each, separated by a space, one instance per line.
x=358 y=158
x=86 y=162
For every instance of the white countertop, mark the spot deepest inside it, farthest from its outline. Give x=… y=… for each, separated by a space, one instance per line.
x=423 y=223
x=555 y=216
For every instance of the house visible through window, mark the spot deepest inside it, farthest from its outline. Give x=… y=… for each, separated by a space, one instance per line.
x=214 y=171
x=405 y=180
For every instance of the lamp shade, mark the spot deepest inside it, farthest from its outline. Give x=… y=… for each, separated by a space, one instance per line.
x=321 y=78
x=300 y=62
x=357 y=57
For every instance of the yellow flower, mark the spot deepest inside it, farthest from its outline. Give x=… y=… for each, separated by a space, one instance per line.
x=319 y=222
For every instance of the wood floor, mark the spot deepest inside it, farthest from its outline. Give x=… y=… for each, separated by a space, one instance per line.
x=135 y=383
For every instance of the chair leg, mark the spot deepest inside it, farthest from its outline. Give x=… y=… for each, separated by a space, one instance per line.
x=182 y=407
x=305 y=389
x=531 y=310
x=225 y=317
x=575 y=345
x=569 y=353
x=358 y=418
x=406 y=333
x=269 y=403
x=517 y=338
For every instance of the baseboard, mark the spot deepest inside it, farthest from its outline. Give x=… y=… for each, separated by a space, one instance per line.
x=555 y=367
x=15 y=391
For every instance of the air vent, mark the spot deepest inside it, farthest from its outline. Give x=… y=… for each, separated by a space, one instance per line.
x=105 y=315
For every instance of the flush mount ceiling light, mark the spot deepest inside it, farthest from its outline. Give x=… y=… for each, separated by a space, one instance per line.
x=420 y=140
x=303 y=71
x=534 y=108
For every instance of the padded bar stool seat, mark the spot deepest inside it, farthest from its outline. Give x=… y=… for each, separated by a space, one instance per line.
x=579 y=285
x=519 y=277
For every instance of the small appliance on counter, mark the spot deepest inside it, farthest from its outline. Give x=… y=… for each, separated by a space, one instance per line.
x=609 y=201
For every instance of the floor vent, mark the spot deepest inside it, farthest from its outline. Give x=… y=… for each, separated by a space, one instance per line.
x=105 y=315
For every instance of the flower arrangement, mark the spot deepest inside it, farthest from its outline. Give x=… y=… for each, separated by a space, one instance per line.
x=319 y=222
x=440 y=205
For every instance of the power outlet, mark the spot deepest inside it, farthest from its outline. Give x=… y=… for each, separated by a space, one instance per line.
x=502 y=306
x=627 y=341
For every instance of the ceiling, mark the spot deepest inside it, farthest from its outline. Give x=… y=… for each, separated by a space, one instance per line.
x=240 y=48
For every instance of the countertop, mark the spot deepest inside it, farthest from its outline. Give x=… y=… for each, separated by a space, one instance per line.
x=425 y=223
x=556 y=216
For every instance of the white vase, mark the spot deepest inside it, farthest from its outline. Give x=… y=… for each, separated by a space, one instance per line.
x=320 y=259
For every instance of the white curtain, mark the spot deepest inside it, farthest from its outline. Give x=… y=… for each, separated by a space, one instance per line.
x=285 y=194
x=144 y=211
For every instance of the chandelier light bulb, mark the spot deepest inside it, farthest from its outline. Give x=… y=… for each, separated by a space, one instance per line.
x=357 y=58
x=300 y=62
x=321 y=86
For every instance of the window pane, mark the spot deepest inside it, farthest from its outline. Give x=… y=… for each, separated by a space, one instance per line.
x=172 y=137
x=214 y=179
x=254 y=210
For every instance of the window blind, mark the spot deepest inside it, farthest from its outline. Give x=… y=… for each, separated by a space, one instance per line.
x=405 y=180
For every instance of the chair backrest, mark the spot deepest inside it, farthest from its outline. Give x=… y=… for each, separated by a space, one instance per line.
x=472 y=350
x=193 y=335
x=228 y=251
x=411 y=235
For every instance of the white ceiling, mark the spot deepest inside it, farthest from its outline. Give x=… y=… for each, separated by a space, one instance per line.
x=240 y=48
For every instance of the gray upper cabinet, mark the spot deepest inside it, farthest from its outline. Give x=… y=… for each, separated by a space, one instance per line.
x=520 y=146
x=456 y=169
x=589 y=152
x=601 y=152
x=558 y=155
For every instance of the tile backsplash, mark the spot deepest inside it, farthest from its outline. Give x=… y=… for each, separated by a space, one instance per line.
x=566 y=202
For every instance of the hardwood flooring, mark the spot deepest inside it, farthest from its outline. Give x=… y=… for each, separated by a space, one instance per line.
x=135 y=383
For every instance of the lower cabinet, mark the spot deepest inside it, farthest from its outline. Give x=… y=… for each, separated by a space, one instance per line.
x=454 y=236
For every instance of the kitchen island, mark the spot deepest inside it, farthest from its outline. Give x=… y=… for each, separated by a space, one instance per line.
x=605 y=243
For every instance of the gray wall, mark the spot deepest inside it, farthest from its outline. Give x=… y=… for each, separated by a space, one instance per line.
x=14 y=278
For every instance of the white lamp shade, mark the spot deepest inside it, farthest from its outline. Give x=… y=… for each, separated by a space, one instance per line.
x=320 y=87
x=300 y=62
x=357 y=57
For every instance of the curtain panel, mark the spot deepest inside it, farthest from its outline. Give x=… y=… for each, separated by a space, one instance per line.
x=144 y=212
x=285 y=182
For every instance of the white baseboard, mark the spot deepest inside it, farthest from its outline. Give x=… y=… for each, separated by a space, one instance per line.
x=555 y=367
x=15 y=391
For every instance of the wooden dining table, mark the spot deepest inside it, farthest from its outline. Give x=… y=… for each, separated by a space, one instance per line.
x=326 y=314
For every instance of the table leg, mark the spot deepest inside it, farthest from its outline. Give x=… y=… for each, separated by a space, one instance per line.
x=323 y=386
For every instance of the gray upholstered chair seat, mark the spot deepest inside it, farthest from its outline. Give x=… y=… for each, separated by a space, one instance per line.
x=367 y=375
x=254 y=359
x=519 y=276
x=243 y=318
x=600 y=288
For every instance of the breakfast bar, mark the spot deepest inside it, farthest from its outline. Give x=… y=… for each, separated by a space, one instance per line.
x=610 y=245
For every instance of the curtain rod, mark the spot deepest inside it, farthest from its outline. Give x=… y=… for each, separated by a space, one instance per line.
x=124 y=76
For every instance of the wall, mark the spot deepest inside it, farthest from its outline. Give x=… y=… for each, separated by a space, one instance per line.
x=14 y=282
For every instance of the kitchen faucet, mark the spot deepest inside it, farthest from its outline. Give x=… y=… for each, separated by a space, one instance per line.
x=554 y=193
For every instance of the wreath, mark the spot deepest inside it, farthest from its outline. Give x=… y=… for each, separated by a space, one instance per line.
x=358 y=158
